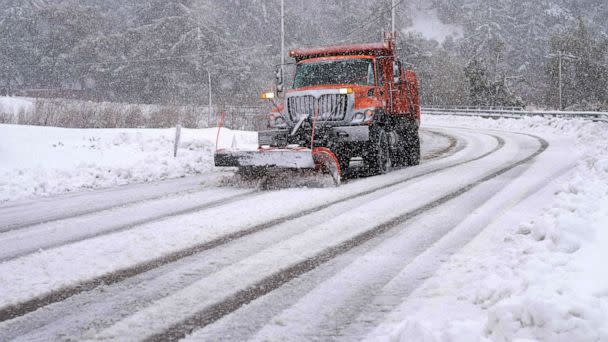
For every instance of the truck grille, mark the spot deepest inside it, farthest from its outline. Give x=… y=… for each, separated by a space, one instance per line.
x=331 y=107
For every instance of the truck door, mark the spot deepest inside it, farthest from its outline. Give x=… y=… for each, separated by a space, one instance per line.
x=381 y=85
x=382 y=90
x=399 y=89
x=412 y=92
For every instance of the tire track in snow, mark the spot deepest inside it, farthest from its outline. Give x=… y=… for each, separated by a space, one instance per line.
x=333 y=301
x=23 y=308
x=439 y=153
x=58 y=319
x=276 y=280
x=58 y=215
x=433 y=154
x=133 y=224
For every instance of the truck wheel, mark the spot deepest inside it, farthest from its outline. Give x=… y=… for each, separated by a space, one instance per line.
x=344 y=164
x=413 y=148
x=377 y=157
x=399 y=151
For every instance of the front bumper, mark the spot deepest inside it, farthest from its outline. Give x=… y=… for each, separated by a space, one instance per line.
x=350 y=133
x=336 y=134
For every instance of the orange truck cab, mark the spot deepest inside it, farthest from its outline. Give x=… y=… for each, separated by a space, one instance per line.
x=356 y=101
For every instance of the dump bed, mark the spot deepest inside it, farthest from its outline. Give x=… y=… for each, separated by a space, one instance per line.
x=370 y=49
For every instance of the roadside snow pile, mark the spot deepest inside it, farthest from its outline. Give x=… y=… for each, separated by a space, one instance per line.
x=542 y=279
x=14 y=105
x=41 y=161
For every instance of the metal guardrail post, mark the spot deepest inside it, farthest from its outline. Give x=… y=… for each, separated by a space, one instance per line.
x=178 y=135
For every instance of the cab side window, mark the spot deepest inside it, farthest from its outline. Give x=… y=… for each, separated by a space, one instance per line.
x=371 y=80
x=380 y=73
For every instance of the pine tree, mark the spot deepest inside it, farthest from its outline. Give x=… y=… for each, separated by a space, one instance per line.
x=584 y=72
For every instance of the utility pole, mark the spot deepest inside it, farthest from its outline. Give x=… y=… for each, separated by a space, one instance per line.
x=282 y=36
x=199 y=64
x=560 y=55
x=209 y=87
x=560 y=79
x=393 y=15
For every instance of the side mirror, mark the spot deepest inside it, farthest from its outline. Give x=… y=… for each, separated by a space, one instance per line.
x=279 y=79
x=397 y=72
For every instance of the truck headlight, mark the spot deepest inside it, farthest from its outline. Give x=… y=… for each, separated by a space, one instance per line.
x=277 y=122
x=364 y=116
x=280 y=121
x=358 y=117
x=267 y=96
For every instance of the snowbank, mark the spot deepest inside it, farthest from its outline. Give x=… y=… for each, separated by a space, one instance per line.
x=41 y=161
x=12 y=106
x=532 y=278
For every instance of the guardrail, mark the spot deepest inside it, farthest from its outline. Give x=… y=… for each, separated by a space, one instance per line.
x=514 y=113
x=460 y=107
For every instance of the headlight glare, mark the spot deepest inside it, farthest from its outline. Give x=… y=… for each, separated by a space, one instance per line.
x=267 y=96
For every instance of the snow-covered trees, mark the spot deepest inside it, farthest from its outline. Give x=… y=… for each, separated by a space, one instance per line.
x=17 y=31
x=584 y=71
x=513 y=41
x=163 y=51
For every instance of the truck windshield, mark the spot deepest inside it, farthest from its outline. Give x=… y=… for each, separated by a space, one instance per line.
x=346 y=71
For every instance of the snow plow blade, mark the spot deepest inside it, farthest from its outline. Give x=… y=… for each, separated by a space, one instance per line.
x=279 y=158
x=319 y=161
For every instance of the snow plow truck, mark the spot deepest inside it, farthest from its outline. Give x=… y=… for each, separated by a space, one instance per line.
x=349 y=101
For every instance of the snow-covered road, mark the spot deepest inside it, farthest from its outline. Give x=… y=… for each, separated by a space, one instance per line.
x=186 y=258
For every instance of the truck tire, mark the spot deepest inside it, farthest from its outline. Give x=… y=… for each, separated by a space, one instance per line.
x=413 y=147
x=377 y=155
x=399 y=152
x=344 y=164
